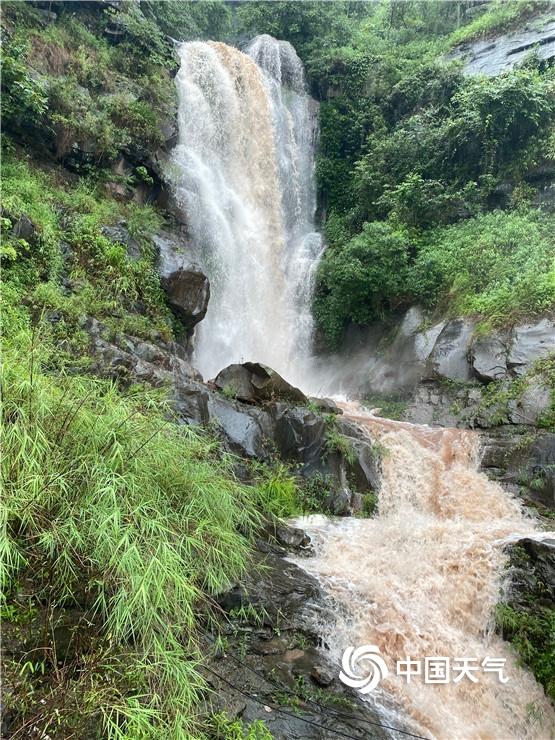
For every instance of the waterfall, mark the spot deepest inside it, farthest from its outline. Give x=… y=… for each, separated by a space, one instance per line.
x=243 y=174
x=422 y=579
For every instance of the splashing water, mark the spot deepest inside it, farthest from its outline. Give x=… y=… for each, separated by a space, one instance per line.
x=422 y=579
x=243 y=172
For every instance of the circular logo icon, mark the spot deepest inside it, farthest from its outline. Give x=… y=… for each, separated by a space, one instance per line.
x=363 y=668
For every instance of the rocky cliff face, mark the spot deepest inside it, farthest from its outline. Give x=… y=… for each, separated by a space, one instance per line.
x=455 y=373
x=493 y=56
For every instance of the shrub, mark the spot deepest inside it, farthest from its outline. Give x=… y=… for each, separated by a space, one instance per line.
x=278 y=490
x=24 y=99
x=499 y=265
x=104 y=495
x=359 y=280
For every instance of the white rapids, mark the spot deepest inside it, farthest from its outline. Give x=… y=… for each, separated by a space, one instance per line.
x=243 y=173
x=422 y=579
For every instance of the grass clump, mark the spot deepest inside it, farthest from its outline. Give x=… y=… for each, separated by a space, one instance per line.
x=336 y=442
x=499 y=16
x=109 y=505
x=533 y=637
x=279 y=489
x=391 y=406
x=224 y=728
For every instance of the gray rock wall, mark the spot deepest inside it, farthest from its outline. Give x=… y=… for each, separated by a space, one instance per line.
x=496 y=55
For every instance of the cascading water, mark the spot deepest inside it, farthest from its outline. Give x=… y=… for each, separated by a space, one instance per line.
x=422 y=579
x=243 y=174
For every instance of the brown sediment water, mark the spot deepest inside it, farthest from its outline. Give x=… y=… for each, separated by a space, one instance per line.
x=243 y=174
x=422 y=578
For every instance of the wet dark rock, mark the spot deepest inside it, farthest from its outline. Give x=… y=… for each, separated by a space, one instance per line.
x=526 y=612
x=299 y=434
x=242 y=427
x=431 y=404
x=322 y=674
x=522 y=462
x=280 y=657
x=186 y=286
x=24 y=228
x=489 y=357
x=253 y=382
x=191 y=400
x=169 y=131
x=324 y=405
x=449 y=357
x=363 y=467
x=130 y=359
x=284 y=677
x=338 y=502
x=292 y=538
x=531 y=342
x=532 y=578
x=120 y=235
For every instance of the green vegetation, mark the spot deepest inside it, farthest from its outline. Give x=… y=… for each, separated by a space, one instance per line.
x=223 y=728
x=87 y=100
x=115 y=518
x=500 y=265
x=533 y=637
x=529 y=622
x=391 y=406
x=279 y=489
x=67 y=248
x=544 y=371
x=336 y=442
x=110 y=506
x=415 y=157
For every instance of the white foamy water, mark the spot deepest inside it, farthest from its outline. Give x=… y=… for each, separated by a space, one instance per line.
x=422 y=579
x=243 y=172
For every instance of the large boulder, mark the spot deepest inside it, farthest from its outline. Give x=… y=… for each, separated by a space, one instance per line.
x=489 y=357
x=187 y=287
x=449 y=357
x=299 y=434
x=531 y=342
x=253 y=383
x=245 y=430
x=403 y=363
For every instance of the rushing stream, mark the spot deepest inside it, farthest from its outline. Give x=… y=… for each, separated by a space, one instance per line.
x=420 y=579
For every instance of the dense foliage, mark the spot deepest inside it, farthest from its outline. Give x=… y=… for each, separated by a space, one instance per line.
x=133 y=520
x=428 y=182
x=410 y=144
